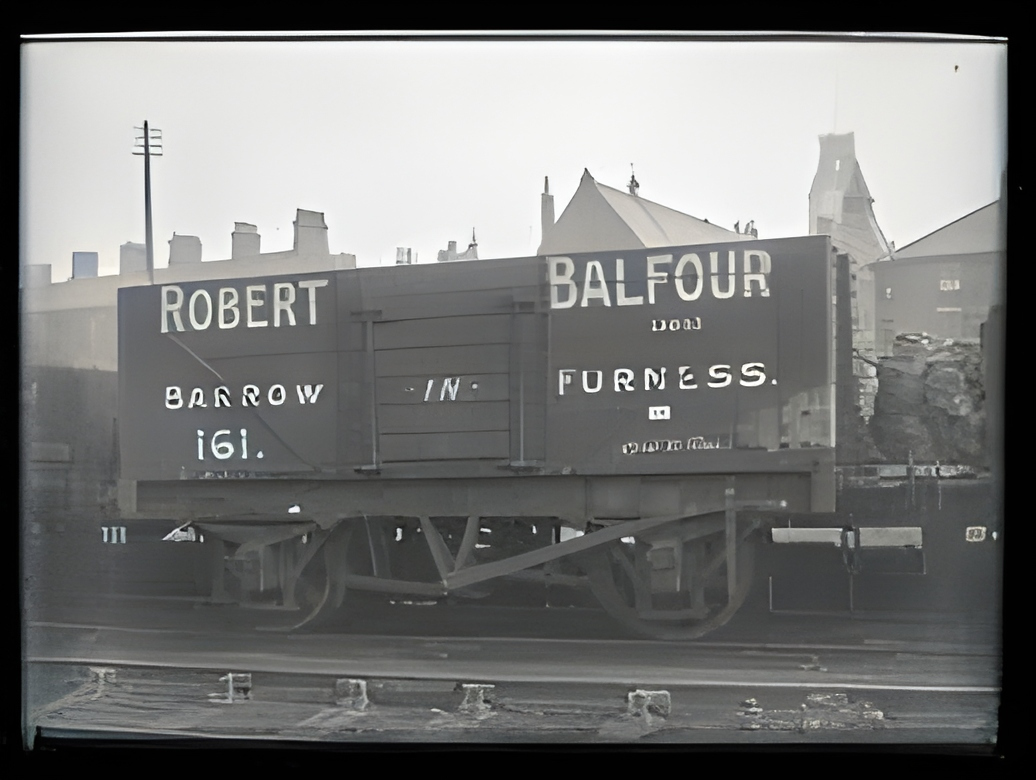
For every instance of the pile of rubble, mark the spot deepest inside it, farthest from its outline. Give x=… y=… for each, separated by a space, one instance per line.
x=930 y=403
x=820 y=711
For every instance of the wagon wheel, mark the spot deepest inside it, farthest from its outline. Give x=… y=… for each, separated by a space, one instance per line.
x=620 y=581
x=320 y=588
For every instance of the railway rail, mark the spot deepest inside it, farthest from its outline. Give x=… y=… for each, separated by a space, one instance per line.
x=345 y=687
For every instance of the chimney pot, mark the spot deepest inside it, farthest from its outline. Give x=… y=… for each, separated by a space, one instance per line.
x=132 y=258
x=37 y=275
x=310 y=233
x=84 y=265
x=184 y=250
x=244 y=241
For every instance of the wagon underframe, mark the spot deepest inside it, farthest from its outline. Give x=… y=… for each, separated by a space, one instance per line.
x=672 y=575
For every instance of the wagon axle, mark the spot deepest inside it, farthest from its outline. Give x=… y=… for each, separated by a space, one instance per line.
x=672 y=576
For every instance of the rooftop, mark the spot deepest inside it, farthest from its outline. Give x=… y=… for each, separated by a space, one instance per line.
x=602 y=217
x=975 y=233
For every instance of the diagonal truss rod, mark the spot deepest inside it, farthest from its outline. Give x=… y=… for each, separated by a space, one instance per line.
x=453 y=577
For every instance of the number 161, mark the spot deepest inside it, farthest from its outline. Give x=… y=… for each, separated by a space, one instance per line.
x=221 y=445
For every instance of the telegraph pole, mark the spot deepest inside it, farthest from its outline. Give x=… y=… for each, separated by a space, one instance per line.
x=149 y=143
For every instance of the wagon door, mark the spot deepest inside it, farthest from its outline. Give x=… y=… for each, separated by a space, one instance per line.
x=457 y=368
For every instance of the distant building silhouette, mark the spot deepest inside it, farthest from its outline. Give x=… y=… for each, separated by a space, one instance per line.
x=92 y=298
x=840 y=202
x=944 y=283
x=601 y=217
x=450 y=253
x=840 y=206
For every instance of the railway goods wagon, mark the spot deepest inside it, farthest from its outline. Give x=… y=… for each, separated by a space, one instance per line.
x=630 y=418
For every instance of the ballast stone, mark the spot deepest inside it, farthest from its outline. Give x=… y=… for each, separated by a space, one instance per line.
x=351 y=694
x=649 y=704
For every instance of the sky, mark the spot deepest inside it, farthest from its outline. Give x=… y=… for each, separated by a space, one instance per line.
x=415 y=143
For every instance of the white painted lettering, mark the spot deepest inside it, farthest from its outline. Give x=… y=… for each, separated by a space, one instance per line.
x=312 y=285
x=586 y=384
x=752 y=375
x=173 y=398
x=283 y=298
x=564 y=378
x=228 y=302
x=688 y=277
x=251 y=395
x=654 y=380
x=688 y=323
x=624 y=379
x=559 y=272
x=192 y=315
x=222 y=449
x=254 y=302
x=714 y=267
x=620 y=286
x=721 y=374
x=672 y=445
x=227 y=309
x=308 y=393
x=595 y=287
x=171 y=307
x=654 y=276
x=762 y=277
x=686 y=378
x=697 y=274
x=428 y=389
x=450 y=386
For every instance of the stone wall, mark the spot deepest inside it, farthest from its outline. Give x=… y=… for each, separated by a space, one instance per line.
x=930 y=403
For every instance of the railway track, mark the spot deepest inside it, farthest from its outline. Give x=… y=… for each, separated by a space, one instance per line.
x=117 y=701
x=98 y=682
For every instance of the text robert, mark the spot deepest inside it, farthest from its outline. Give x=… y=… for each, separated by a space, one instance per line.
x=249 y=307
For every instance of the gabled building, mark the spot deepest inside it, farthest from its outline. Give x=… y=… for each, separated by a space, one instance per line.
x=601 y=217
x=944 y=283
